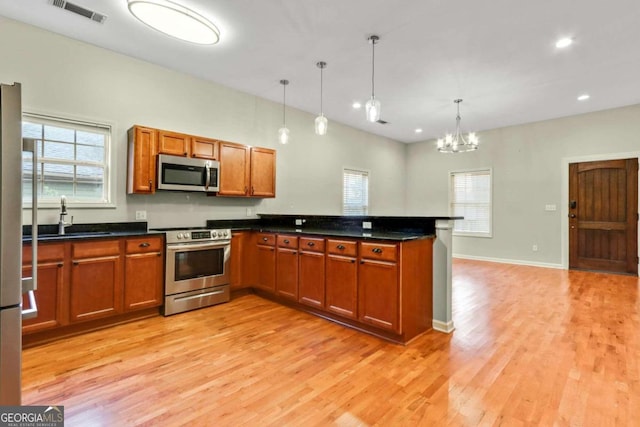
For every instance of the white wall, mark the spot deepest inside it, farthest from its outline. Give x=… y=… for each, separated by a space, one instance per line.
x=63 y=77
x=528 y=163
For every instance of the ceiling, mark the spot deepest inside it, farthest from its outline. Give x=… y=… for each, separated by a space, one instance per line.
x=499 y=56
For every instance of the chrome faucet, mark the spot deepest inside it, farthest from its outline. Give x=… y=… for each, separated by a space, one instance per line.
x=63 y=212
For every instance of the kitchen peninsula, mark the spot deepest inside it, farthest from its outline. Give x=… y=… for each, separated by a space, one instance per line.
x=387 y=276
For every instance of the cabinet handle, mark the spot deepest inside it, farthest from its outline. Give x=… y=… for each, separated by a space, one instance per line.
x=60 y=265
x=144 y=245
x=361 y=262
x=341 y=247
x=150 y=184
x=193 y=155
x=264 y=239
x=76 y=263
x=353 y=261
x=286 y=241
x=185 y=154
x=246 y=190
x=311 y=244
x=159 y=253
x=253 y=190
x=376 y=250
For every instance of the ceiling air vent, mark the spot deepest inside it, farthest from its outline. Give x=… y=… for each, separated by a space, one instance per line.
x=382 y=122
x=79 y=10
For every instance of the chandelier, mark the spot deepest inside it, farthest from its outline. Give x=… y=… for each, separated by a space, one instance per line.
x=456 y=143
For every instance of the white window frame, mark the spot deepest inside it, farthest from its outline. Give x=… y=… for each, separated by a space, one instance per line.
x=455 y=232
x=365 y=207
x=107 y=201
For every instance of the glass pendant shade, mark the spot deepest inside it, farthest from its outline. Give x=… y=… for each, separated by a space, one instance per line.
x=321 y=125
x=373 y=110
x=283 y=135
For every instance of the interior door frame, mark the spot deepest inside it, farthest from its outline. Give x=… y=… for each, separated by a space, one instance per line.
x=564 y=192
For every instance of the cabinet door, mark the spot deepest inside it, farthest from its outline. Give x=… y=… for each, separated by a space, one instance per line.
x=143 y=281
x=142 y=160
x=173 y=143
x=342 y=286
x=378 y=294
x=234 y=169
x=50 y=279
x=266 y=264
x=238 y=241
x=311 y=281
x=263 y=172
x=204 y=148
x=287 y=273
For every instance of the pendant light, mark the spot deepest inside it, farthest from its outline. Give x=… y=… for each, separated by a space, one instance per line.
x=373 y=105
x=457 y=143
x=321 y=120
x=283 y=132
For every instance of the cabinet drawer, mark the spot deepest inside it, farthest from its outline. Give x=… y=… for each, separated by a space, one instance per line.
x=378 y=251
x=342 y=247
x=288 y=242
x=140 y=245
x=46 y=253
x=266 y=239
x=95 y=249
x=311 y=244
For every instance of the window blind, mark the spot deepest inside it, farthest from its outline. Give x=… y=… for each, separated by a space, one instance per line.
x=471 y=198
x=355 y=185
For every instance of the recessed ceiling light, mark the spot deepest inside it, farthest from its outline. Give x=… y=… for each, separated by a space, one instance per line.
x=418 y=130
x=175 y=20
x=356 y=105
x=564 y=42
x=584 y=97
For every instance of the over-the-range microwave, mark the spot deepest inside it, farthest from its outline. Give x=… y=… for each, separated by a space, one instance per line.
x=187 y=174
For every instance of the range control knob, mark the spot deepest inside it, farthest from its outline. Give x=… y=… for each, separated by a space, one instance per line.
x=214 y=234
x=226 y=233
x=186 y=235
x=179 y=236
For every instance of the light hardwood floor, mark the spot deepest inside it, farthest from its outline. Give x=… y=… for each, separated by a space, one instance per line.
x=532 y=346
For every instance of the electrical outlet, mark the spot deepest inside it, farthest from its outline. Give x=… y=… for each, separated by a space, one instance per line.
x=249 y=212
x=298 y=221
x=535 y=248
x=366 y=225
x=550 y=208
x=140 y=215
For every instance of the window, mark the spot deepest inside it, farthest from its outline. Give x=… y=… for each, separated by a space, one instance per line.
x=73 y=160
x=471 y=198
x=355 y=200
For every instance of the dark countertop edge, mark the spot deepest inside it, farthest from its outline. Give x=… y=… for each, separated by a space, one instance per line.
x=395 y=236
x=358 y=217
x=109 y=235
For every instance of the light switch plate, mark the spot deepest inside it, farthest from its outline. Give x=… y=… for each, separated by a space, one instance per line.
x=366 y=225
x=140 y=215
x=550 y=208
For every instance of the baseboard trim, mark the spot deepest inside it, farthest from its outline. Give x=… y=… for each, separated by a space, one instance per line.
x=510 y=261
x=446 y=327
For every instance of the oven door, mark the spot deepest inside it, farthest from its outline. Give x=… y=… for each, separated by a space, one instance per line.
x=192 y=266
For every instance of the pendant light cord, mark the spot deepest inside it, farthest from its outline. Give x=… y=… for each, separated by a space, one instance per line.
x=321 y=70
x=373 y=67
x=284 y=100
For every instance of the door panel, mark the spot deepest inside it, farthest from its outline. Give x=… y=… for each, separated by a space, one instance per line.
x=603 y=209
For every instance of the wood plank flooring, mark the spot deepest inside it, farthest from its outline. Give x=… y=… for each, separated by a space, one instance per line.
x=532 y=346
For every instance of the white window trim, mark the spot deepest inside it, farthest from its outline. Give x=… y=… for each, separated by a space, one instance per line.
x=110 y=169
x=467 y=233
x=361 y=170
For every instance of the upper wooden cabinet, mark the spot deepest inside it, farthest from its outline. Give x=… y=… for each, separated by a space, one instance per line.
x=247 y=171
x=176 y=144
x=244 y=171
x=143 y=144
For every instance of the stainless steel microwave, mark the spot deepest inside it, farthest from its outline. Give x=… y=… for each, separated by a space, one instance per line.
x=187 y=174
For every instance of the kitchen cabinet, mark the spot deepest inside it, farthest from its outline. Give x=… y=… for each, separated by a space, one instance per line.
x=342 y=278
x=142 y=150
x=239 y=264
x=174 y=143
x=50 y=287
x=204 y=148
x=378 y=292
x=311 y=278
x=96 y=280
x=246 y=171
x=287 y=267
x=266 y=262
x=144 y=266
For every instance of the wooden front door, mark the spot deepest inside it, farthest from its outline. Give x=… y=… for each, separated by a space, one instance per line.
x=603 y=216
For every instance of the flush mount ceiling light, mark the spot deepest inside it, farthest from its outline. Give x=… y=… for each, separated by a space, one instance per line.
x=564 y=42
x=419 y=130
x=283 y=132
x=584 y=97
x=321 y=123
x=373 y=105
x=175 y=20
x=356 y=105
x=456 y=143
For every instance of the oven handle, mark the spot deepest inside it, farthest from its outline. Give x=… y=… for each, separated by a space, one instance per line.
x=206 y=294
x=193 y=246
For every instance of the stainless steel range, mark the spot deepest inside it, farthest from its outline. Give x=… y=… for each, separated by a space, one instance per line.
x=197 y=269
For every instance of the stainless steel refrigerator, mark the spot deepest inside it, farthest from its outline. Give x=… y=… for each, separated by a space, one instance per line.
x=12 y=286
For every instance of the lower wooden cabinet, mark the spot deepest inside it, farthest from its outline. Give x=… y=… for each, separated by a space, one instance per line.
x=144 y=266
x=378 y=294
x=238 y=263
x=50 y=282
x=266 y=262
x=96 y=280
x=311 y=278
x=287 y=267
x=342 y=286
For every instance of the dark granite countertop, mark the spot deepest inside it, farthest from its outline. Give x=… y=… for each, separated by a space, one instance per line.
x=373 y=235
x=49 y=232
